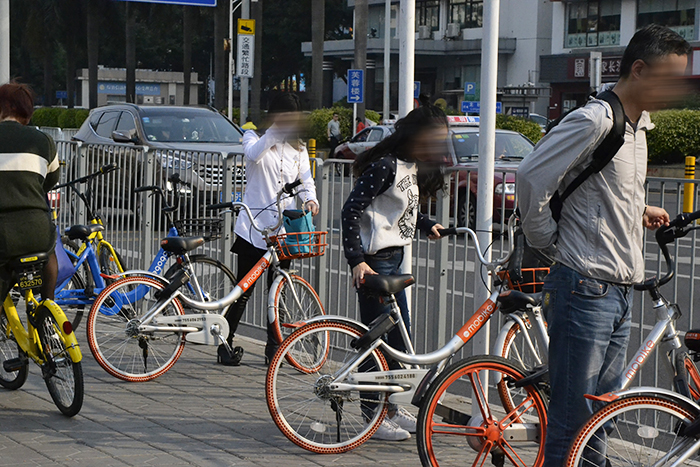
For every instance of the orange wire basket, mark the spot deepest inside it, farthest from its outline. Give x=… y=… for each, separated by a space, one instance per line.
x=300 y=244
x=532 y=281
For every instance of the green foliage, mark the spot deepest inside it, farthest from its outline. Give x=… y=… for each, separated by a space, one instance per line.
x=677 y=134
x=59 y=117
x=441 y=104
x=528 y=128
x=374 y=116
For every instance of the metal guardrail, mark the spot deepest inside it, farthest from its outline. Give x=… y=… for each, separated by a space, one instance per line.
x=442 y=299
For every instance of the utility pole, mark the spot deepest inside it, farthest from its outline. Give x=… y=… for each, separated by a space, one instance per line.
x=387 y=60
x=487 y=156
x=318 y=30
x=359 y=35
x=231 y=64
x=4 y=41
x=407 y=49
x=130 y=44
x=245 y=82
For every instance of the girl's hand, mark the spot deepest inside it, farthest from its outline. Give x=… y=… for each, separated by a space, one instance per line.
x=655 y=217
x=435 y=234
x=359 y=272
x=311 y=206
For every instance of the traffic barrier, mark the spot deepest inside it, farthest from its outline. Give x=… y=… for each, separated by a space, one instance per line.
x=689 y=188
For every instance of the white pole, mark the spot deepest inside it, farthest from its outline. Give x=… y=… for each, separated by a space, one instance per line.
x=353 y=128
x=245 y=14
x=387 y=60
x=4 y=41
x=407 y=48
x=231 y=63
x=487 y=149
x=595 y=70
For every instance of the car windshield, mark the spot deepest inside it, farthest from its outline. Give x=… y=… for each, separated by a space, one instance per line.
x=509 y=146
x=188 y=125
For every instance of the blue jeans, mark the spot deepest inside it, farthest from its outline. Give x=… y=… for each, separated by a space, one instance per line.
x=589 y=329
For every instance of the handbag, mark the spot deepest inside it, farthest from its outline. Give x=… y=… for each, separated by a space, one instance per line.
x=65 y=265
x=298 y=224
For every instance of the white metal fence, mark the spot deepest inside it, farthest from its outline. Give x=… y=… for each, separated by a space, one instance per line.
x=443 y=296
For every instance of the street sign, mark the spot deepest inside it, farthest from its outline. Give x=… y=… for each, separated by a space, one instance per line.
x=416 y=89
x=523 y=112
x=177 y=2
x=356 y=86
x=474 y=107
x=469 y=89
x=246 y=26
x=61 y=94
x=246 y=47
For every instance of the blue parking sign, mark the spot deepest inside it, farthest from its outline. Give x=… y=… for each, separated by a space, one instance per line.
x=416 y=89
x=469 y=89
x=356 y=86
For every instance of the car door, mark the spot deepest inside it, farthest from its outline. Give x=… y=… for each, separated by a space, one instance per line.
x=358 y=143
x=375 y=136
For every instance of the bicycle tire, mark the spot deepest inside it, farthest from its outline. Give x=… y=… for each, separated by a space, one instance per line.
x=686 y=369
x=110 y=266
x=319 y=427
x=631 y=432
x=113 y=311
x=63 y=376
x=517 y=352
x=9 y=349
x=289 y=312
x=215 y=284
x=452 y=410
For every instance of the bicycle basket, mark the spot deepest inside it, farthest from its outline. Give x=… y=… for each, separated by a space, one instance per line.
x=532 y=281
x=300 y=244
x=208 y=227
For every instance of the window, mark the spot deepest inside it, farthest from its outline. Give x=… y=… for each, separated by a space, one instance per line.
x=593 y=23
x=107 y=123
x=678 y=15
x=126 y=123
x=376 y=135
x=428 y=14
x=467 y=13
x=362 y=136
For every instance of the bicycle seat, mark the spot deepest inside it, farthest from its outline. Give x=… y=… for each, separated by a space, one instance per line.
x=513 y=300
x=388 y=285
x=31 y=261
x=82 y=232
x=181 y=245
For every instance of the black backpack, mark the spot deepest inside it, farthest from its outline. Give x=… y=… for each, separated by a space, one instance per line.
x=603 y=154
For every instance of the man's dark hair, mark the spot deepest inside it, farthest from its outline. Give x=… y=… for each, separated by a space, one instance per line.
x=651 y=42
x=285 y=102
x=336 y=113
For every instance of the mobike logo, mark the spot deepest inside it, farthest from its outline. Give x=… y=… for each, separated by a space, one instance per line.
x=254 y=274
x=639 y=359
x=477 y=321
x=160 y=263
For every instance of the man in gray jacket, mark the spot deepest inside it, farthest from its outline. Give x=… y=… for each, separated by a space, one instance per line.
x=598 y=240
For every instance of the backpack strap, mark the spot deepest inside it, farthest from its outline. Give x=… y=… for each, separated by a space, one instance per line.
x=603 y=154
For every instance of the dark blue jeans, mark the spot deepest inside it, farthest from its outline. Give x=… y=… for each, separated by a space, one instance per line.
x=589 y=329
x=387 y=262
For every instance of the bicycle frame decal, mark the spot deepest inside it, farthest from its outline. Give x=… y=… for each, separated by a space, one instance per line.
x=255 y=273
x=478 y=319
x=639 y=359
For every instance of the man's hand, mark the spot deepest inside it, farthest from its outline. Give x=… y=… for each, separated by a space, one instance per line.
x=359 y=272
x=435 y=234
x=311 y=206
x=654 y=217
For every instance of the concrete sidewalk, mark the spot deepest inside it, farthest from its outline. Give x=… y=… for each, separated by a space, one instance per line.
x=199 y=413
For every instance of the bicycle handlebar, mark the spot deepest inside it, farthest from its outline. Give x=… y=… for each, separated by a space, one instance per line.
x=677 y=228
x=288 y=189
x=105 y=169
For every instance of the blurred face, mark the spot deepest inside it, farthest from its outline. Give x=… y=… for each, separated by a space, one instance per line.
x=336 y=117
x=430 y=145
x=290 y=121
x=659 y=83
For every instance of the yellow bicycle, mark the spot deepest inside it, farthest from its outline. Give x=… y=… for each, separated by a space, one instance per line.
x=48 y=339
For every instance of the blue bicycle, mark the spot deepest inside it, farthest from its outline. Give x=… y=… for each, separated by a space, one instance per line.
x=96 y=263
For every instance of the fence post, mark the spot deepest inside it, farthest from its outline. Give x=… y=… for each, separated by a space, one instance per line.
x=321 y=274
x=146 y=210
x=82 y=171
x=689 y=188
x=442 y=213
x=227 y=186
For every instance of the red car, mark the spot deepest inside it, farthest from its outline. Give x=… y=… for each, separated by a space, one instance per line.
x=511 y=148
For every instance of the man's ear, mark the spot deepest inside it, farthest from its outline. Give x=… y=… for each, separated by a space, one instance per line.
x=638 y=68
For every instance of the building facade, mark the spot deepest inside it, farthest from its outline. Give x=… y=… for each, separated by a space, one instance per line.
x=152 y=87
x=606 y=26
x=448 y=52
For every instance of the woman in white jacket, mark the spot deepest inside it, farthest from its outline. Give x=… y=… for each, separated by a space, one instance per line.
x=271 y=160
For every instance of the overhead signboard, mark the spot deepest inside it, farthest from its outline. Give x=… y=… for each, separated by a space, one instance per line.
x=474 y=107
x=523 y=112
x=356 y=93
x=246 y=47
x=177 y=2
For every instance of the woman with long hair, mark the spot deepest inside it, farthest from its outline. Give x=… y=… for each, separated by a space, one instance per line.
x=380 y=218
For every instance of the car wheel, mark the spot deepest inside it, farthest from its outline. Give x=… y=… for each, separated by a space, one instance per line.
x=467 y=214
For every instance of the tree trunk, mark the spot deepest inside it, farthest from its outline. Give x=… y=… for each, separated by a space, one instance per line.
x=71 y=51
x=187 y=13
x=256 y=9
x=359 y=34
x=130 y=44
x=220 y=57
x=318 y=33
x=93 y=48
x=48 y=73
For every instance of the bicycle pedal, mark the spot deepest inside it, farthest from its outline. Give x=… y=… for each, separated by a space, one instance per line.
x=536 y=377
x=13 y=364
